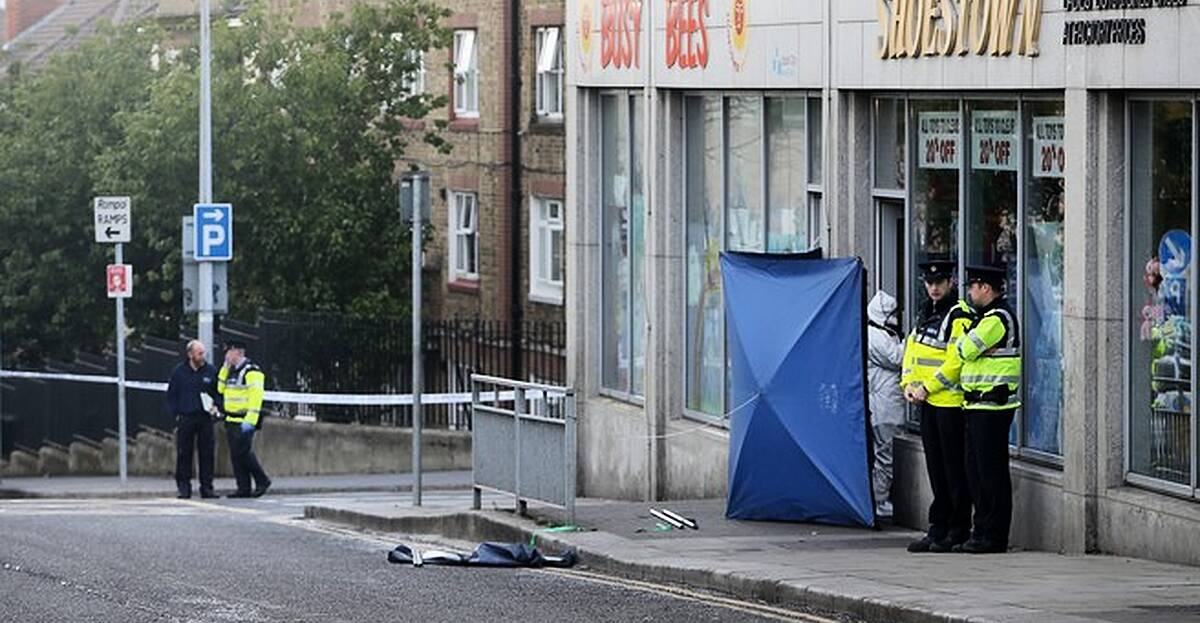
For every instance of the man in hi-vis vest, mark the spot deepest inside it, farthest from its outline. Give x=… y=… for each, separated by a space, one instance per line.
x=991 y=380
x=241 y=382
x=930 y=380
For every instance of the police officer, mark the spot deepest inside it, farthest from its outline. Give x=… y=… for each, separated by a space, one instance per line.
x=241 y=382
x=191 y=382
x=930 y=379
x=991 y=380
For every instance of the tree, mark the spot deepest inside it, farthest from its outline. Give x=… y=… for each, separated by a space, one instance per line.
x=308 y=126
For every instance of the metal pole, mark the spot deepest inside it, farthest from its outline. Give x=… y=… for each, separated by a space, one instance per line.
x=122 y=449
x=417 y=369
x=205 y=302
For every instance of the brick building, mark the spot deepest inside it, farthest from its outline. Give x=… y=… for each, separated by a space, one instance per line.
x=469 y=262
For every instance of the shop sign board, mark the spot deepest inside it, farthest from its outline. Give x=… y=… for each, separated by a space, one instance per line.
x=1049 y=147
x=938 y=136
x=994 y=140
x=917 y=28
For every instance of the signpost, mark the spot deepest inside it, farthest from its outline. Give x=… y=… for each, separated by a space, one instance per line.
x=191 y=275
x=414 y=203
x=114 y=225
x=205 y=317
x=212 y=241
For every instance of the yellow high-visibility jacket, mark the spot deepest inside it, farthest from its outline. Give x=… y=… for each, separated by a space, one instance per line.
x=991 y=356
x=243 y=391
x=930 y=358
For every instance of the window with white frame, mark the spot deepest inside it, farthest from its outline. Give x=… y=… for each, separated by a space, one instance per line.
x=414 y=82
x=464 y=236
x=549 y=79
x=547 y=251
x=466 y=75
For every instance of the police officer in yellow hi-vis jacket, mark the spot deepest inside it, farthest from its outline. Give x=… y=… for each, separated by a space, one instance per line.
x=991 y=381
x=930 y=379
x=241 y=382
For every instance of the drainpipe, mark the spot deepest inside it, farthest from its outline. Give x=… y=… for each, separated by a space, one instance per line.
x=515 y=183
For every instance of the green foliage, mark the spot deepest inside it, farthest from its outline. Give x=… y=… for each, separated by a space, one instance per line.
x=308 y=125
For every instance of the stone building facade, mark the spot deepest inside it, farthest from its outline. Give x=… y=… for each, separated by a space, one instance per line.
x=1057 y=138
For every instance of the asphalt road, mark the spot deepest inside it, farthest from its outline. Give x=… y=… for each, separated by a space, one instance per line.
x=168 y=560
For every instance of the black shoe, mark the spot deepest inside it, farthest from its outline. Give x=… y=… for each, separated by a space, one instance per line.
x=258 y=493
x=921 y=545
x=946 y=545
x=183 y=496
x=240 y=494
x=208 y=495
x=976 y=546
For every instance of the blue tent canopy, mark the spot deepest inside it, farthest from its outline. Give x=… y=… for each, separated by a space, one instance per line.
x=799 y=448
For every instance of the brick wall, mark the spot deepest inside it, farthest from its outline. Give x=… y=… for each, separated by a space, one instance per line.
x=19 y=15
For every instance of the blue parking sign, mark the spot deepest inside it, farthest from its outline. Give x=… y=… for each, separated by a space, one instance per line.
x=214 y=232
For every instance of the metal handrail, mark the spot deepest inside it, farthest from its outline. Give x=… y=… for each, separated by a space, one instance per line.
x=519 y=414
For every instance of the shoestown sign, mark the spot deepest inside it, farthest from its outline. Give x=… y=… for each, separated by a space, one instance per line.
x=916 y=28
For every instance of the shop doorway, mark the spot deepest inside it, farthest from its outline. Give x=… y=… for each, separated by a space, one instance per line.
x=889 y=248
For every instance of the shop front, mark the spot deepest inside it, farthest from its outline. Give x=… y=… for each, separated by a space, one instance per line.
x=1055 y=139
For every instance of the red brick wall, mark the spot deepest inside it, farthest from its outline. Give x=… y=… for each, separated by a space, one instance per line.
x=21 y=14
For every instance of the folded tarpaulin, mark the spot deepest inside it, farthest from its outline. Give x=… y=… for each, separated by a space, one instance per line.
x=485 y=555
x=799 y=448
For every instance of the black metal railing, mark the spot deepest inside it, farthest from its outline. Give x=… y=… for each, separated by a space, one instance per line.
x=299 y=352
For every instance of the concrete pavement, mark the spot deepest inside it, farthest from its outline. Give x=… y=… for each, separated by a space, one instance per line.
x=864 y=573
x=150 y=487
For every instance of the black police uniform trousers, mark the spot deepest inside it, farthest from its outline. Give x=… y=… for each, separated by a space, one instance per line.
x=194 y=432
x=943 y=436
x=987 y=469
x=245 y=463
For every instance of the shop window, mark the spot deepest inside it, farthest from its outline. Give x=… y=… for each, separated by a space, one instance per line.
x=750 y=185
x=549 y=79
x=787 y=153
x=937 y=135
x=623 y=262
x=1041 y=411
x=547 y=251
x=744 y=166
x=889 y=144
x=1161 y=212
x=705 y=331
x=466 y=74
x=464 y=236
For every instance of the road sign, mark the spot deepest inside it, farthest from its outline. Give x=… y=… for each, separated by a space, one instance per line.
x=214 y=232
x=120 y=281
x=112 y=216
x=191 y=275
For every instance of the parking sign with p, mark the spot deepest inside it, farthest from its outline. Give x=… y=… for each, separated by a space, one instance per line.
x=214 y=232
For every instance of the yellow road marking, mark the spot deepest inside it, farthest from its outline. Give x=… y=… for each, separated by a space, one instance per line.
x=763 y=610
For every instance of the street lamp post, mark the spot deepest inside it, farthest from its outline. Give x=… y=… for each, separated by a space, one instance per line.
x=414 y=203
x=205 y=307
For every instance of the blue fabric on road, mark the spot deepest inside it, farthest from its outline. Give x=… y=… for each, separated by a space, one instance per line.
x=799 y=449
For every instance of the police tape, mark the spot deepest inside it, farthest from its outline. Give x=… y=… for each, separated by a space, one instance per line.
x=350 y=400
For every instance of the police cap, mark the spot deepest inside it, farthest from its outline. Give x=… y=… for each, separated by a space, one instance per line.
x=235 y=344
x=937 y=270
x=994 y=276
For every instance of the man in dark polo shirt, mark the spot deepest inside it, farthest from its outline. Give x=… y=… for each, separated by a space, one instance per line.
x=193 y=384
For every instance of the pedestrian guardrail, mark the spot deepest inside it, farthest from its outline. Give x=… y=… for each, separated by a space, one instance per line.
x=524 y=445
